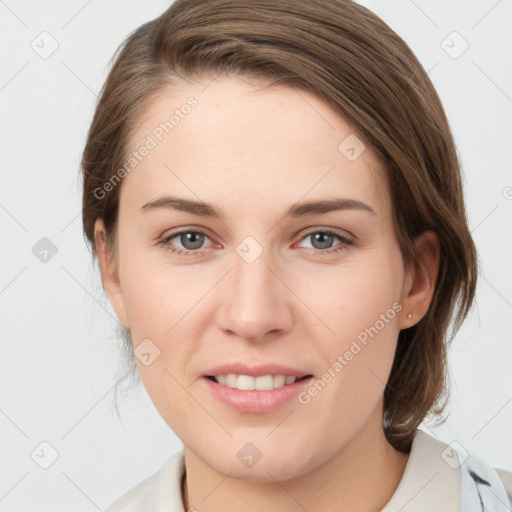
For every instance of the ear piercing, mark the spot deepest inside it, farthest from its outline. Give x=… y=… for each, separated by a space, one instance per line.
x=409 y=316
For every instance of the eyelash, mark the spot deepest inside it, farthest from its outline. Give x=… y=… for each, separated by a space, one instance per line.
x=334 y=250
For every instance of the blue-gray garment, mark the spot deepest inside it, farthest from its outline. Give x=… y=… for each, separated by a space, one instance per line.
x=481 y=486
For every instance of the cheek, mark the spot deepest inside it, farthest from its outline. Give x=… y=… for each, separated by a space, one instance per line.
x=369 y=308
x=159 y=306
x=161 y=301
x=355 y=295
x=158 y=296
x=360 y=304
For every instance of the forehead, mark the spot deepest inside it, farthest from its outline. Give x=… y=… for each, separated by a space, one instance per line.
x=227 y=139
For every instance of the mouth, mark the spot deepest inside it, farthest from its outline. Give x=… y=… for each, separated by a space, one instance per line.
x=259 y=383
x=256 y=388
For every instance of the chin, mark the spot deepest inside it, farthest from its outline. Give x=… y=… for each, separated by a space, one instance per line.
x=277 y=466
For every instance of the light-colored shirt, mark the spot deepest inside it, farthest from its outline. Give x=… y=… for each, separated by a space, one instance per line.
x=438 y=478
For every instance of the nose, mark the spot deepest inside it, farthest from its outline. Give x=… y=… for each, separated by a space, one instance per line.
x=255 y=302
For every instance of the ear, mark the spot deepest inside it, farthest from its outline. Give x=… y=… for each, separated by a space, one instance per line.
x=421 y=277
x=109 y=272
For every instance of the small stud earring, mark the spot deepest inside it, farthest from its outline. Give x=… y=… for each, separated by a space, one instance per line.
x=409 y=316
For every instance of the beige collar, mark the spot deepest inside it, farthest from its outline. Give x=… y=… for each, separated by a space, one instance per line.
x=431 y=480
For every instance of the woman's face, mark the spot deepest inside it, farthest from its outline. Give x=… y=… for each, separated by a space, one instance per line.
x=299 y=268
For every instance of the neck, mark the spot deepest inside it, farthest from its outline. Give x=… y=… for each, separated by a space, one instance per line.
x=361 y=477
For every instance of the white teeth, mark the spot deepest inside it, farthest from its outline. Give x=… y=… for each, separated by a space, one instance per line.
x=231 y=380
x=278 y=381
x=264 y=383
x=247 y=382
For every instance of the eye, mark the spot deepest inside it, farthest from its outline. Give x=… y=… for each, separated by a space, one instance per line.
x=322 y=241
x=190 y=240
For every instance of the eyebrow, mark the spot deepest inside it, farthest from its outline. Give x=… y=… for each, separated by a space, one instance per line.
x=297 y=210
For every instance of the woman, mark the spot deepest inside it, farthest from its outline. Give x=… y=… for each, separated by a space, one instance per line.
x=273 y=194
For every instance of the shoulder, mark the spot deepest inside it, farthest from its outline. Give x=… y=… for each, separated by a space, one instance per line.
x=157 y=493
x=442 y=475
x=506 y=478
x=431 y=480
x=481 y=483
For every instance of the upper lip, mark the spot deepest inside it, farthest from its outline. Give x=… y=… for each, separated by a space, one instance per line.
x=256 y=370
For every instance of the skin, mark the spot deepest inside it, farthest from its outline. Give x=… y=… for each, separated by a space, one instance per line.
x=253 y=153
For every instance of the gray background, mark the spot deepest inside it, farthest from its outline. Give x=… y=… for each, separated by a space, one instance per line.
x=60 y=358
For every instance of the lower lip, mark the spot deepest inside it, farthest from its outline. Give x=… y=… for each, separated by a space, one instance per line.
x=254 y=400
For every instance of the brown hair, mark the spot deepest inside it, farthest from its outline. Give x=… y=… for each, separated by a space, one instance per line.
x=349 y=58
